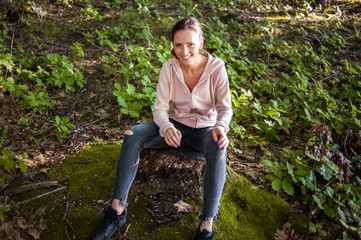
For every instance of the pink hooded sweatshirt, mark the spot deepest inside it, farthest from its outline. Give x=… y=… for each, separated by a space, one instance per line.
x=209 y=103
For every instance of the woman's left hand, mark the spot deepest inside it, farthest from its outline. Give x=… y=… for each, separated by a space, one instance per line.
x=220 y=137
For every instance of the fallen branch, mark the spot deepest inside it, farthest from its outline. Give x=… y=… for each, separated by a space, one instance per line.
x=42 y=195
x=25 y=188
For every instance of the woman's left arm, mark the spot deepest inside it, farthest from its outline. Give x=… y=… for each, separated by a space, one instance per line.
x=223 y=108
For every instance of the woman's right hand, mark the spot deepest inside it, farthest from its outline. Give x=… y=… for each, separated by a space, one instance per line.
x=173 y=137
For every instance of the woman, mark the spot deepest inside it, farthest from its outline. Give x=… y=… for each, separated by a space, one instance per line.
x=197 y=86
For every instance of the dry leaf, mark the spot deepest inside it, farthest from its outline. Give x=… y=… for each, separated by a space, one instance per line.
x=183 y=207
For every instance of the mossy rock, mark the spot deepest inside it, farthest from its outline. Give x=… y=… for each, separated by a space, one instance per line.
x=247 y=212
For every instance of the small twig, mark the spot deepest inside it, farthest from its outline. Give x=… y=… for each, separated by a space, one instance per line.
x=66 y=233
x=327 y=184
x=127 y=229
x=344 y=145
x=95 y=121
x=71 y=227
x=11 y=50
x=268 y=55
x=83 y=162
x=103 y=49
x=12 y=40
x=324 y=79
x=44 y=194
x=66 y=207
x=124 y=236
x=71 y=174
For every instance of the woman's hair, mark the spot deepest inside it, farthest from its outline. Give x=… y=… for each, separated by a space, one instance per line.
x=187 y=23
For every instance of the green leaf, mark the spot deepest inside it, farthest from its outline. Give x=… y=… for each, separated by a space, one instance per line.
x=57 y=120
x=268 y=163
x=9 y=164
x=290 y=171
x=23 y=166
x=122 y=102
x=353 y=70
x=317 y=159
x=271 y=177
x=277 y=170
x=312 y=227
x=277 y=184
x=117 y=86
x=287 y=186
x=319 y=199
x=329 y=191
x=130 y=89
x=308 y=115
x=329 y=211
x=64 y=129
x=23 y=121
x=341 y=214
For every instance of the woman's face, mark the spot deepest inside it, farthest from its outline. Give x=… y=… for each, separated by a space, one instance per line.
x=187 y=44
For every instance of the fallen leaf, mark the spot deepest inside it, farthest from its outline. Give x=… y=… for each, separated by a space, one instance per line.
x=183 y=207
x=40 y=158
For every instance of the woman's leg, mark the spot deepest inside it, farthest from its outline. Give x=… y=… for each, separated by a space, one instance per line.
x=135 y=140
x=214 y=175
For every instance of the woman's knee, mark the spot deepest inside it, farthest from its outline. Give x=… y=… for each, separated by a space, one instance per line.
x=216 y=156
x=128 y=132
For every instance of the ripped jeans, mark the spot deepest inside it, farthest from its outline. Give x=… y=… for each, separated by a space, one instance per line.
x=146 y=135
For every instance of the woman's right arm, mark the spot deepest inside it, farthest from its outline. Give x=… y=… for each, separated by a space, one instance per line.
x=161 y=105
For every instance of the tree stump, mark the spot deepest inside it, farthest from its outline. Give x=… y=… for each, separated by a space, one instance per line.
x=167 y=176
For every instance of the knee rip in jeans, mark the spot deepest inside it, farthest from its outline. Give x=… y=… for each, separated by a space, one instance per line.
x=128 y=132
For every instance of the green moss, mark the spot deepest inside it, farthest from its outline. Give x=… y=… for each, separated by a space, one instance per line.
x=247 y=212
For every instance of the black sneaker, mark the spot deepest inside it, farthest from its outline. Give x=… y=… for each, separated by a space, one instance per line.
x=204 y=235
x=111 y=223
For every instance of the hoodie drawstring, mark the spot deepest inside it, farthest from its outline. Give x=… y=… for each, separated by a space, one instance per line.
x=171 y=82
x=212 y=92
